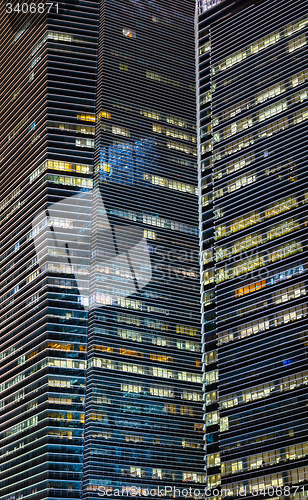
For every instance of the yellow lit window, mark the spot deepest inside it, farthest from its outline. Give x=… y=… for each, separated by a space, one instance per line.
x=299 y=78
x=104 y=114
x=169 y=408
x=130 y=352
x=297 y=26
x=157 y=128
x=296 y=43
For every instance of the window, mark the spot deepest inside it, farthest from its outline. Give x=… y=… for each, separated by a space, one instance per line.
x=297 y=26
x=272 y=110
x=18 y=128
x=240 y=55
x=284 y=251
x=88 y=118
x=161 y=357
x=236 y=127
x=253 y=327
x=208 y=276
x=300 y=96
x=246 y=266
x=128 y=33
x=224 y=424
x=187 y=410
x=284 y=227
x=179 y=122
x=71 y=181
x=154 y=115
x=162 y=372
x=206 y=199
x=193 y=477
x=187 y=330
x=220 y=232
x=130 y=303
x=299 y=78
x=238 y=164
x=239 y=182
x=130 y=334
x=229 y=401
x=212 y=418
x=169 y=408
x=264 y=42
x=292 y=314
x=206 y=47
x=213 y=481
x=157 y=474
x=300 y=116
x=120 y=131
x=162 y=391
x=181 y=147
x=211 y=397
x=210 y=357
x=84 y=143
x=250 y=241
x=270 y=92
x=213 y=460
x=232 y=60
x=171 y=184
x=250 y=288
x=211 y=377
x=289 y=293
x=205 y=98
x=102 y=114
x=281 y=206
x=273 y=128
x=134 y=388
x=236 y=109
x=296 y=43
x=136 y=472
x=207 y=256
x=237 y=145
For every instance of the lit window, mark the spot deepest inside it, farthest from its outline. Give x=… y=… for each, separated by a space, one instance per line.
x=272 y=110
x=271 y=92
x=120 y=131
x=297 y=26
x=296 y=43
x=206 y=47
x=299 y=78
x=128 y=33
x=88 y=118
x=104 y=114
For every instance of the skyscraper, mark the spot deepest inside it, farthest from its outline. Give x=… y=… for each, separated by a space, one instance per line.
x=143 y=403
x=100 y=336
x=49 y=82
x=252 y=107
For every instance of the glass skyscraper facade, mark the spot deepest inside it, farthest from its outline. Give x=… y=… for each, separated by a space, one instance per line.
x=143 y=401
x=100 y=322
x=252 y=129
x=49 y=83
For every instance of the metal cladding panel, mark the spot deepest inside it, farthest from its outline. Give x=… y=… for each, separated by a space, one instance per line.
x=252 y=105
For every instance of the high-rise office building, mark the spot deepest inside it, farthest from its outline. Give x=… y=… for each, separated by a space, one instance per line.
x=252 y=124
x=143 y=401
x=100 y=360
x=49 y=87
